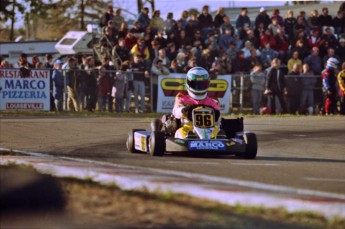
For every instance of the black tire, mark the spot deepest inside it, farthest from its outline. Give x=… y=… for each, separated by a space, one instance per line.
x=157 y=143
x=130 y=141
x=251 y=146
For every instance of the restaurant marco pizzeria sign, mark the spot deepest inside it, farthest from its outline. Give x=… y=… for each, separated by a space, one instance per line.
x=17 y=93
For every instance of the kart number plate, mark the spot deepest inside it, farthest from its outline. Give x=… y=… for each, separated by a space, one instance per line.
x=203 y=119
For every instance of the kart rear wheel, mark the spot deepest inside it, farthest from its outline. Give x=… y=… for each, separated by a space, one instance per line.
x=130 y=141
x=157 y=143
x=251 y=146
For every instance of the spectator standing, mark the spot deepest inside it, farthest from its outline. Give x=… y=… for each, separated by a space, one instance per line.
x=48 y=61
x=169 y=23
x=91 y=84
x=157 y=23
x=258 y=79
x=104 y=85
x=157 y=69
x=289 y=24
x=313 y=20
x=276 y=15
x=325 y=19
x=308 y=82
x=341 y=82
x=219 y=18
x=118 y=19
x=108 y=15
x=82 y=86
x=58 y=85
x=120 y=85
x=263 y=18
x=48 y=65
x=140 y=73
x=275 y=86
x=339 y=22
x=205 y=22
x=144 y=18
x=243 y=20
x=72 y=80
x=293 y=87
x=329 y=80
x=183 y=19
x=314 y=61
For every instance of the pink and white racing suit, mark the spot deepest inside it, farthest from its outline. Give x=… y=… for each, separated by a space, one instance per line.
x=182 y=101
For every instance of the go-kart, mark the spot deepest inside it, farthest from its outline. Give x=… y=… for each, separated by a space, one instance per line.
x=230 y=139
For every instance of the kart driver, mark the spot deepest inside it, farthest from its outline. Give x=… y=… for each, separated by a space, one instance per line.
x=197 y=84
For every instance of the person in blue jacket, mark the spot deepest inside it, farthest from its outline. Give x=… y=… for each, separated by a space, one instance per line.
x=58 y=85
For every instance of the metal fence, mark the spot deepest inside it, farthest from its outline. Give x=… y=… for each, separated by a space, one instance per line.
x=240 y=88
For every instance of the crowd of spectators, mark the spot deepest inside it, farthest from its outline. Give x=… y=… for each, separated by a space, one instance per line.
x=155 y=46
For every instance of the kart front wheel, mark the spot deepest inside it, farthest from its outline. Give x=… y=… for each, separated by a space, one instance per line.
x=251 y=146
x=157 y=143
x=131 y=142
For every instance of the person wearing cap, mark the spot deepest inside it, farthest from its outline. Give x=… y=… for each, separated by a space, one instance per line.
x=262 y=18
x=58 y=85
x=341 y=82
x=329 y=81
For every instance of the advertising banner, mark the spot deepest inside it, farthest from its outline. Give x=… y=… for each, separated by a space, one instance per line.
x=169 y=86
x=31 y=93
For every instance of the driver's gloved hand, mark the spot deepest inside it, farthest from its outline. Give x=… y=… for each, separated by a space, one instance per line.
x=187 y=111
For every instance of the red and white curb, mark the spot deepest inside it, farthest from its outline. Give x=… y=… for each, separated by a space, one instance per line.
x=224 y=190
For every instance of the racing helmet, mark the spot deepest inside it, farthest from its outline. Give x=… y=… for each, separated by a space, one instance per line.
x=332 y=63
x=197 y=83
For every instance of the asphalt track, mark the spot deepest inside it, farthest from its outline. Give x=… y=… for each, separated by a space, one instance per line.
x=297 y=152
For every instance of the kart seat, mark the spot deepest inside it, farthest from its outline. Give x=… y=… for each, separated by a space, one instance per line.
x=231 y=126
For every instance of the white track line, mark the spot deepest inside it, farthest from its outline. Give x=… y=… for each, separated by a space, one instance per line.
x=248 y=184
x=324 y=179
